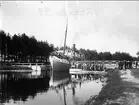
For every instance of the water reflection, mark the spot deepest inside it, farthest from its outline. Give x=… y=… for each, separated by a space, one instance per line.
x=20 y=86
x=48 y=88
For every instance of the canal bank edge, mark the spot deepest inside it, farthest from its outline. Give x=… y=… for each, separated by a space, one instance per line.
x=117 y=91
x=12 y=68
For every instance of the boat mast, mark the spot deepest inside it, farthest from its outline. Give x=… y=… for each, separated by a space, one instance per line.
x=66 y=27
x=65 y=37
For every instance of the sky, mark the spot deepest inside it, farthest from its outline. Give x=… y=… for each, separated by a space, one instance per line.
x=95 y=25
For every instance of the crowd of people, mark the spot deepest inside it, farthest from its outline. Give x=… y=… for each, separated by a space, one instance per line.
x=88 y=66
x=100 y=67
x=126 y=65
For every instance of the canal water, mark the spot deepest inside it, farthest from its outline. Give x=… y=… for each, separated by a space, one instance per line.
x=45 y=88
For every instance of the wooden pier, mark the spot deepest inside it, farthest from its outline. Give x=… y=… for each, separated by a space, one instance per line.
x=80 y=71
x=34 y=66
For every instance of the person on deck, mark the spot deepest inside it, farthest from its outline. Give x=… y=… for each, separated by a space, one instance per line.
x=120 y=65
x=91 y=67
x=79 y=66
x=84 y=66
x=130 y=64
x=124 y=64
x=136 y=64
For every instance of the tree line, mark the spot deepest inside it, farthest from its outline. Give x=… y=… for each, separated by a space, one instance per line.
x=94 y=55
x=22 y=48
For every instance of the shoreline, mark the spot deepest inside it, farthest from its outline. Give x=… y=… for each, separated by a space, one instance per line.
x=15 y=71
x=121 y=89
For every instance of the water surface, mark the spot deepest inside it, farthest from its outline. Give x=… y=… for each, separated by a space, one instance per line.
x=45 y=89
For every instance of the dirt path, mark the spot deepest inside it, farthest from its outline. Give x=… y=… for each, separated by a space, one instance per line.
x=122 y=88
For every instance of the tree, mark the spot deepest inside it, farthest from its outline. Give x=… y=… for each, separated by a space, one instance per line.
x=3 y=44
x=21 y=48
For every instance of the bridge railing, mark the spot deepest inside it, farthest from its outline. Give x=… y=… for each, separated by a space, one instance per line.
x=27 y=64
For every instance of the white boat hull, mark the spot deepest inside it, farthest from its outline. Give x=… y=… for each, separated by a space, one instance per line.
x=59 y=64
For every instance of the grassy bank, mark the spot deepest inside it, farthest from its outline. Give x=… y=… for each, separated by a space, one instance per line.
x=116 y=91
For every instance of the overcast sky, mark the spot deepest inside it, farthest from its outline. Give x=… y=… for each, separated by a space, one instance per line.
x=104 y=25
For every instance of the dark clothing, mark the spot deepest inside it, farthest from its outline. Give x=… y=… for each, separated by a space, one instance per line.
x=130 y=64
x=136 y=64
x=120 y=65
x=125 y=65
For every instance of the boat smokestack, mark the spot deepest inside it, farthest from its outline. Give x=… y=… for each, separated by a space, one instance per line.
x=74 y=51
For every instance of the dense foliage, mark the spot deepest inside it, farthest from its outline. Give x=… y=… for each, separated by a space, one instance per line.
x=94 y=55
x=21 y=48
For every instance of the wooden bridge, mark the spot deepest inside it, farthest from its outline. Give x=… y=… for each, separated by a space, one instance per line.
x=106 y=63
x=112 y=64
x=23 y=64
x=100 y=61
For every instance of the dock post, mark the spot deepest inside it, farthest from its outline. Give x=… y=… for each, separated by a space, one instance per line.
x=36 y=66
x=30 y=65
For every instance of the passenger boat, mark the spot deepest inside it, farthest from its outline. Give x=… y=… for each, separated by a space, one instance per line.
x=59 y=61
